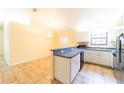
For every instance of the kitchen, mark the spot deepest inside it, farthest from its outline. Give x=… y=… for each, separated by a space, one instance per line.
x=68 y=62
x=55 y=46
x=97 y=46
x=71 y=46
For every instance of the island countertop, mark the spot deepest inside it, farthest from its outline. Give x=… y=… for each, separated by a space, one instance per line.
x=69 y=54
x=73 y=51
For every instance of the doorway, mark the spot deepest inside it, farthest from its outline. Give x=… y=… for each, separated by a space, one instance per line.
x=1 y=40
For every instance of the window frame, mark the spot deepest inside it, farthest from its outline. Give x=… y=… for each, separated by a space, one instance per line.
x=91 y=37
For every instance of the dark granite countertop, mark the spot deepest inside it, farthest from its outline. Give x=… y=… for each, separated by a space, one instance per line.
x=72 y=51
x=56 y=49
x=69 y=54
x=101 y=49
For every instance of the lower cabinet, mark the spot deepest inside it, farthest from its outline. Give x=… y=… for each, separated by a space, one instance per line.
x=99 y=57
x=87 y=56
x=75 y=66
x=94 y=57
x=106 y=58
x=91 y=56
x=65 y=69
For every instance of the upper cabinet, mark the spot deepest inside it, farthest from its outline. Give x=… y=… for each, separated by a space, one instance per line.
x=82 y=36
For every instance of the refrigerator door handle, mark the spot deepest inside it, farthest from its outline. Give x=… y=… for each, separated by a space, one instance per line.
x=119 y=51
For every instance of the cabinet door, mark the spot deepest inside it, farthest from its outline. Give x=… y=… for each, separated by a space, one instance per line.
x=87 y=56
x=79 y=36
x=105 y=58
x=99 y=57
x=82 y=37
x=94 y=57
x=91 y=56
x=62 y=69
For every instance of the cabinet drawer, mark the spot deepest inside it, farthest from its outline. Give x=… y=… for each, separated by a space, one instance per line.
x=75 y=61
x=75 y=66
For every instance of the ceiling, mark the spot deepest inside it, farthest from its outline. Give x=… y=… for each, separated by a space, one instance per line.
x=63 y=18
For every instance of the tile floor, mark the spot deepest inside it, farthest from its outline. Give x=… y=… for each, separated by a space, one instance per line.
x=94 y=74
x=35 y=72
x=38 y=72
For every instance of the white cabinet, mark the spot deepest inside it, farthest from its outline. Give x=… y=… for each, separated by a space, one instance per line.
x=105 y=58
x=65 y=69
x=87 y=56
x=94 y=56
x=75 y=66
x=82 y=36
x=99 y=57
x=91 y=56
x=61 y=70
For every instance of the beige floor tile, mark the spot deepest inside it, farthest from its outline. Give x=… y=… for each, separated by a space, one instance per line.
x=25 y=81
x=94 y=74
x=14 y=82
x=8 y=79
x=16 y=69
x=0 y=78
x=7 y=72
x=38 y=72
x=43 y=81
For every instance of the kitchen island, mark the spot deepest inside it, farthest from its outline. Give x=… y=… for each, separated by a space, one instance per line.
x=66 y=64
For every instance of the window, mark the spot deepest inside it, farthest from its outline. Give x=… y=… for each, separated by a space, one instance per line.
x=99 y=38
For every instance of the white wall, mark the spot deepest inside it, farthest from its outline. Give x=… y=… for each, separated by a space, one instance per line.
x=22 y=43
x=1 y=41
x=28 y=43
x=70 y=35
